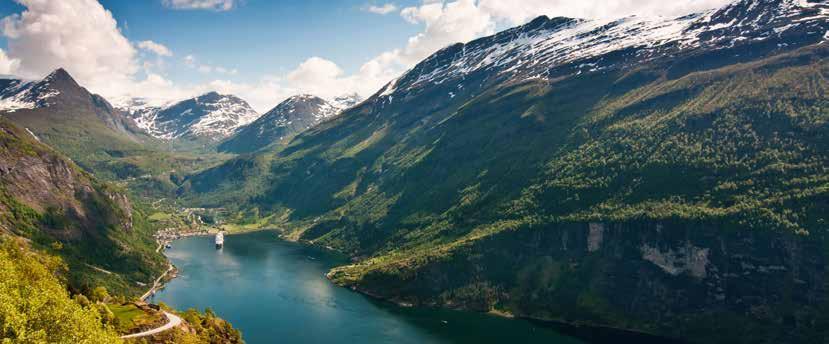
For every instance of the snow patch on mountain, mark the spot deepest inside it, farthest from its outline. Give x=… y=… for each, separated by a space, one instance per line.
x=223 y=117
x=210 y=115
x=16 y=94
x=530 y=51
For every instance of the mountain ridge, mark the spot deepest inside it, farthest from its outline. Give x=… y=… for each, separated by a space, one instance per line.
x=210 y=116
x=635 y=173
x=288 y=118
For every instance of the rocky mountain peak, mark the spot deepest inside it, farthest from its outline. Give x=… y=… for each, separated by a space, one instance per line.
x=211 y=116
x=59 y=75
x=290 y=117
x=58 y=86
x=553 y=48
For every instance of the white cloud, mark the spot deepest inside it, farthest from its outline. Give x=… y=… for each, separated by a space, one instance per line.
x=222 y=70
x=445 y=24
x=157 y=48
x=79 y=35
x=381 y=9
x=8 y=65
x=214 y=5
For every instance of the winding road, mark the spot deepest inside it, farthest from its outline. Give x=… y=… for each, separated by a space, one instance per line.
x=156 y=283
x=172 y=321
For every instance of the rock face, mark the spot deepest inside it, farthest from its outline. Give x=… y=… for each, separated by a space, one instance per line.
x=72 y=206
x=680 y=280
x=211 y=116
x=294 y=115
x=55 y=205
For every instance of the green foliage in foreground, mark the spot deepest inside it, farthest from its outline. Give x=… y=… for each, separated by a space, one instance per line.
x=200 y=328
x=36 y=308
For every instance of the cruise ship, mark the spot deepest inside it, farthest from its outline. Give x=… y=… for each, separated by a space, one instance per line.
x=220 y=240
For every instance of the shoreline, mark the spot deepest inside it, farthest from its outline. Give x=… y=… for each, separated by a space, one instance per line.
x=165 y=238
x=158 y=284
x=586 y=332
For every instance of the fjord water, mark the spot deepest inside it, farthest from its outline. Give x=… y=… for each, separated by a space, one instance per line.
x=276 y=292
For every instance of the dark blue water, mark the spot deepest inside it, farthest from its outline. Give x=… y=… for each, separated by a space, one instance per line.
x=276 y=292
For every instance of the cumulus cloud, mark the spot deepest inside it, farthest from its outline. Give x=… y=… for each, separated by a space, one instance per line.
x=446 y=22
x=157 y=48
x=381 y=9
x=80 y=35
x=315 y=75
x=213 y=5
x=8 y=65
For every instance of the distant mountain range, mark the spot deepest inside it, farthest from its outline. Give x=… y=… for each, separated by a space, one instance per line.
x=294 y=115
x=212 y=117
x=660 y=175
x=216 y=117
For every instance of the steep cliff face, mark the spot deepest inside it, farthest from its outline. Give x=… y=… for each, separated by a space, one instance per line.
x=48 y=184
x=51 y=201
x=696 y=281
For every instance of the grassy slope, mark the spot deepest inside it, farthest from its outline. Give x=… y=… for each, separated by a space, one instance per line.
x=76 y=241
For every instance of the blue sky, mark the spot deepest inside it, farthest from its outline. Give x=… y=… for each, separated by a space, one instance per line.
x=264 y=36
x=262 y=50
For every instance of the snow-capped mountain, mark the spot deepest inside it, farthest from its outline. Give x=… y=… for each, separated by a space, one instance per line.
x=212 y=116
x=551 y=48
x=290 y=117
x=18 y=94
x=58 y=95
x=143 y=112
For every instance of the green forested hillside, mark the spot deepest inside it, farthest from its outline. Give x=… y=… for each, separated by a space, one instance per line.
x=92 y=225
x=745 y=142
x=425 y=189
x=62 y=233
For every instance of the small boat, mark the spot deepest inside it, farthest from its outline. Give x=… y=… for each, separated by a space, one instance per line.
x=168 y=246
x=220 y=240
